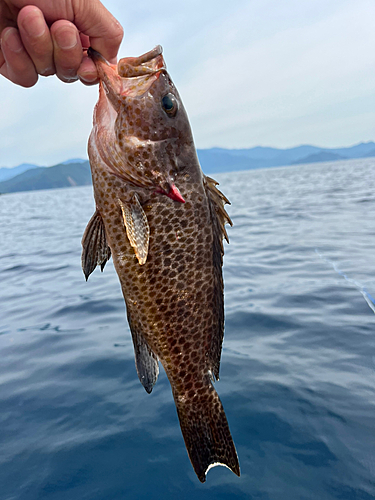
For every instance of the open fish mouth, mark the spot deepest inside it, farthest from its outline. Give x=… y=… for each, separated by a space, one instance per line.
x=131 y=67
x=149 y=63
x=137 y=74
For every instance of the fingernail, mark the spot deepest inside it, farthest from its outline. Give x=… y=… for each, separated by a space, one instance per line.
x=34 y=25
x=66 y=38
x=88 y=78
x=12 y=39
x=69 y=80
x=48 y=71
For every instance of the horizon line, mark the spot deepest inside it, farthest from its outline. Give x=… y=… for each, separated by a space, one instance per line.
x=212 y=147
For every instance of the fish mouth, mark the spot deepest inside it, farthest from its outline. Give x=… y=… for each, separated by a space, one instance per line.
x=137 y=74
x=132 y=67
x=147 y=64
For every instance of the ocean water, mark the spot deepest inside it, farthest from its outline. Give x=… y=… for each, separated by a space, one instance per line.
x=298 y=365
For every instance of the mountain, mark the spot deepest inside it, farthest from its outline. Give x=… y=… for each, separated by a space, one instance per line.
x=322 y=156
x=61 y=175
x=73 y=160
x=76 y=172
x=358 y=151
x=369 y=154
x=8 y=173
x=272 y=156
x=224 y=160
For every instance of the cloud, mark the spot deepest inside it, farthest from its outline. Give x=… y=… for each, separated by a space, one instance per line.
x=249 y=72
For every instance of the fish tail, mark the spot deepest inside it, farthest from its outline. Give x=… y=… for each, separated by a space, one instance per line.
x=206 y=431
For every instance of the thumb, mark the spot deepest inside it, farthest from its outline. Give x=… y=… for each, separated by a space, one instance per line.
x=104 y=31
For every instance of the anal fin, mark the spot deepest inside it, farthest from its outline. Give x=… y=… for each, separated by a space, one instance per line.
x=95 y=249
x=146 y=362
x=137 y=228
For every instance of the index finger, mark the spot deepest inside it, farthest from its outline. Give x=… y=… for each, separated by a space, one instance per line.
x=104 y=31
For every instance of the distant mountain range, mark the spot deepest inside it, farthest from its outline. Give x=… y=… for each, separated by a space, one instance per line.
x=224 y=160
x=8 y=173
x=63 y=175
x=76 y=172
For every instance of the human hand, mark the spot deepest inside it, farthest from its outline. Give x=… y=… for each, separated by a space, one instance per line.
x=49 y=37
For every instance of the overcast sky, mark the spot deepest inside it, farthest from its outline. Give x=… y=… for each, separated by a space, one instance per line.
x=250 y=72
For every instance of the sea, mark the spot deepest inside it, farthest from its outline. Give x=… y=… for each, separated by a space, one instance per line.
x=297 y=375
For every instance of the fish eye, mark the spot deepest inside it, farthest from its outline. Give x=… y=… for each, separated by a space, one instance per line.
x=169 y=104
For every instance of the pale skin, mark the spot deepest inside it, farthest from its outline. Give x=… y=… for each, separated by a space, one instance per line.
x=48 y=37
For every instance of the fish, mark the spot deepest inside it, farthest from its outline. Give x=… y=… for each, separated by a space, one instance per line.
x=163 y=222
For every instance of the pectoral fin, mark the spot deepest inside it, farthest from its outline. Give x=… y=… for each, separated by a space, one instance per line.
x=95 y=250
x=137 y=228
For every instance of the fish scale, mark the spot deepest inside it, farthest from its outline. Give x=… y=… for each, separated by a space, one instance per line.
x=163 y=222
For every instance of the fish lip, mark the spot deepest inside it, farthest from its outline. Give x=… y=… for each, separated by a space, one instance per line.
x=148 y=64
x=96 y=56
x=134 y=61
x=150 y=55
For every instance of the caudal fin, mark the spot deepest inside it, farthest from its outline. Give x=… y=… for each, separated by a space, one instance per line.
x=206 y=432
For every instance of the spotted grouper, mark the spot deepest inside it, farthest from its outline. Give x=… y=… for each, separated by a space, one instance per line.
x=162 y=220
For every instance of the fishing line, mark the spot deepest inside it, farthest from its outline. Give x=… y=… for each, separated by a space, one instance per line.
x=368 y=298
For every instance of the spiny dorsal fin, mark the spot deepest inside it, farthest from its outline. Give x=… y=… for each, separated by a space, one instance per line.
x=95 y=250
x=219 y=217
x=137 y=228
x=219 y=200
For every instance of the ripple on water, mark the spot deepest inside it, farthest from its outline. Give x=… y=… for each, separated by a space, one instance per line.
x=297 y=372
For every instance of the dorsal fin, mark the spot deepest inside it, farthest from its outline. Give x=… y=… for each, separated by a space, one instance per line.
x=218 y=200
x=95 y=250
x=137 y=228
x=219 y=217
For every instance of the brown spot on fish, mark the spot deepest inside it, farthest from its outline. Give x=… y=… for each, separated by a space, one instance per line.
x=162 y=220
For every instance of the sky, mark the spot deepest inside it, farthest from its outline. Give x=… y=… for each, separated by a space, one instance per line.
x=250 y=73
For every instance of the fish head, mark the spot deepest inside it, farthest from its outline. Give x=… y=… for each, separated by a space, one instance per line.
x=148 y=121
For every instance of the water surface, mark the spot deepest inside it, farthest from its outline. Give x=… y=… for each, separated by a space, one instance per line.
x=298 y=366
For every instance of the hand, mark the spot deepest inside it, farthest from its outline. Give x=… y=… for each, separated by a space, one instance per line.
x=49 y=37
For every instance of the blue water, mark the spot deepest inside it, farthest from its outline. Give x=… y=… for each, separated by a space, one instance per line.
x=298 y=365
